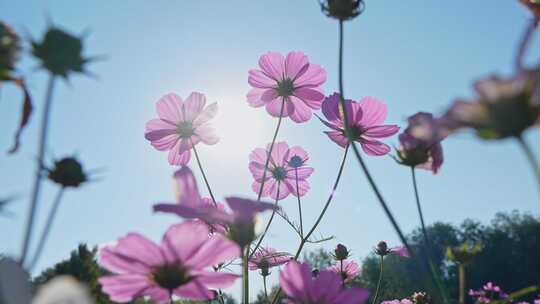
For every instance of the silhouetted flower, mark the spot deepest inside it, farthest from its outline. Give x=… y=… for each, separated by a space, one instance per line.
x=503 y=107
x=342 y=9
x=533 y=6
x=68 y=172
x=60 y=52
x=10 y=48
x=341 y=252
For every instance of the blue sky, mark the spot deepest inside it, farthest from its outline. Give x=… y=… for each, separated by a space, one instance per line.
x=416 y=55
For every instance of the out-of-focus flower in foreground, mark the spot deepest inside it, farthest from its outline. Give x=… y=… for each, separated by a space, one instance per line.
x=365 y=119
x=346 y=269
x=342 y=9
x=240 y=220
x=60 y=53
x=287 y=86
x=181 y=125
x=533 y=6
x=420 y=143
x=502 y=107
x=178 y=266
x=286 y=167
x=265 y=258
x=190 y=204
x=488 y=293
x=402 y=301
x=301 y=287
x=68 y=172
x=382 y=249
x=63 y=289
x=463 y=254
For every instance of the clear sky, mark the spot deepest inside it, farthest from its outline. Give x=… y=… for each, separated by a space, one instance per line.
x=415 y=55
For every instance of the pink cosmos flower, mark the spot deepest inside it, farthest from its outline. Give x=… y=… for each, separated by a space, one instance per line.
x=348 y=271
x=288 y=86
x=181 y=125
x=365 y=120
x=421 y=143
x=178 y=266
x=401 y=251
x=301 y=287
x=266 y=257
x=190 y=203
x=489 y=292
x=285 y=165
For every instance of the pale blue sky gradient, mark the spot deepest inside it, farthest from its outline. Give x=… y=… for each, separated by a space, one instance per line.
x=415 y=55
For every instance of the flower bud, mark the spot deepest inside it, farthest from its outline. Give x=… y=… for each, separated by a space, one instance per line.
x=242 y=233
x=67 y=172
x=341 y=253
x=60 y=52
x=463 y=254
x=382 y=248
x=342 y=9
x=315 y=273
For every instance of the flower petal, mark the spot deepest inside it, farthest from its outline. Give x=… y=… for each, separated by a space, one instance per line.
x=194 y=290
x=296 y=64
x=303 y=186
x=125 y=287
x=206 y=114
x=273 y=65
x=312 y=97
x=374 y=147
x=374 y=111
x=313 y=77
x=254 y=97
x=258 y=79
x=274 y=107
x=301 y=112
x=169 y=108
x=176 y=158
x=295 y=280
x=193 y=105
x=381 y=131
x=338 y=138
x=206 y=134
x=216 y=279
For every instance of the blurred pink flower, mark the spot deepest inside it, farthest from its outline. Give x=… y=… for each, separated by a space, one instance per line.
x=266 y=257
x=421 y=143
x=190 y=204
x=181 y=125
x=489 y=293
x=284 y=165
x=348 y=271
x=301 y=287
x=292 y=83
x=177 y=266
x=402 y=301
x=365 y=120
x=401 y=251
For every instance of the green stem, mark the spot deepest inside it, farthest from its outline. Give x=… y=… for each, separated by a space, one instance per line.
x=267 y=224
x=461 y=284
x=299 y=204
x=265 y=290
x=204 y=175
x=38 y=175
x=47 y=229
x=268 y=157
x=427 y=243
x=245 y=275
x=381 y=269
x=330 y=197
x=532 y=159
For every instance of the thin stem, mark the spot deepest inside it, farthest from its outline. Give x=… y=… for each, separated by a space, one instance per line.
x=532 y=159
x=461 y=284
x=319 y=219
x=47 y=229
x=330 y=197
x=267 y=224
x=265 y=290
x=204 y=175
x=524 y=44
x=37 y=178
x=245 y=276
x=270 y=150
x=299 y=204
x=381 y=269
x=427 y=243
x=170 y=298
x=343 y=277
